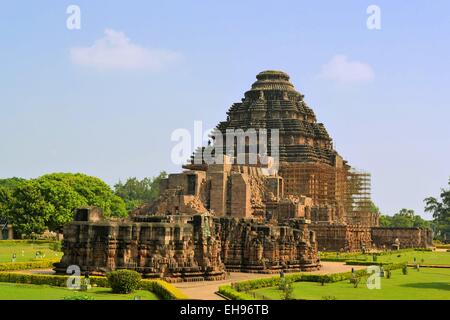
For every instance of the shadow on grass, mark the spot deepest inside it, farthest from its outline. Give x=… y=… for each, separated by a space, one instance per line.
x=429 y=285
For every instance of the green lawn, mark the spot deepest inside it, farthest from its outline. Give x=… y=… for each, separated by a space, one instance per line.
x=26 y=251
x=428 y=283
x=428 y=257
x=12 y=291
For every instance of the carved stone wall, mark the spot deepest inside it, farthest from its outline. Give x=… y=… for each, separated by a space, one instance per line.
x=188 y=247
x=408 y=237
x=342 y=237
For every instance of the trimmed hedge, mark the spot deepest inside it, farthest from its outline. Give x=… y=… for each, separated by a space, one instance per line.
x=229 y=292
x=161 y=288
x=39 y=264
x=37 y=241
x=51 y=280
x=443 y=246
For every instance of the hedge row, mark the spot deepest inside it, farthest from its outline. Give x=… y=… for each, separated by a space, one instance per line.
x=229 y=292
x=342 y=259
x=161 y=288
x=443 y=246
x=389 y=265
x=40 y=264
x=44 y=279
x=27 y=241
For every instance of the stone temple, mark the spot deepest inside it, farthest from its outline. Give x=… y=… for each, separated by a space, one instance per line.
x=251 y=216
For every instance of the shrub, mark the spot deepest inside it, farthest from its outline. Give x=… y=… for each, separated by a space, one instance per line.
x=286 y=289
x=355 y=281
x=405 y=269
x=388 y=274
x=123 y=281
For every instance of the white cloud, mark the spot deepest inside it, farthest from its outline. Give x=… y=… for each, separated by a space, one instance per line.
x=340 y=69
x=116 y=51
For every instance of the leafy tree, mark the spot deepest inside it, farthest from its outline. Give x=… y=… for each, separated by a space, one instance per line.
x=27 y=209
x=405 y=218
x=94 y=191
x=441 y=214
x=63 y=199
x=135 y=192
x=385 y=221
x=48 y=202
x=6 y=188
x=11 y=183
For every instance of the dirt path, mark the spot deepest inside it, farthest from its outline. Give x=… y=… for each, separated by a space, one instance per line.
x=206 y=290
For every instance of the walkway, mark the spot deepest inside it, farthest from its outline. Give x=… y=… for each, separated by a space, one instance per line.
x=206 y=290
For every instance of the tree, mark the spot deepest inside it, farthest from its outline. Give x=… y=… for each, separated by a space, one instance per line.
x=94 y=191
x=441 y=214
x=48 y=202
x=135 y=192
x=405 y=218
x=27 y=209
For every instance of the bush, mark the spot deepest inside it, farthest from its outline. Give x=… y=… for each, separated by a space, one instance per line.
x=405 y=269
x=123 y=281
x=286 y=289
x=355 y=281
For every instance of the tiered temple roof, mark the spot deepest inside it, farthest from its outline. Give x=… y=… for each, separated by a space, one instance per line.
x=273 y=103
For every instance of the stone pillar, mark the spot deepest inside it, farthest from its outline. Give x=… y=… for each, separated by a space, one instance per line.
x=10 y=232
x=240 y=195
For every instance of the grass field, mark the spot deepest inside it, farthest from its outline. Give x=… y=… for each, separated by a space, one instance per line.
x=429 y=257
x=26 y=251
x=426 y=284
x=12 y=291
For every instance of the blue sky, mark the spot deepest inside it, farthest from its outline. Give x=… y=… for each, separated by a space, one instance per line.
x=385 y=104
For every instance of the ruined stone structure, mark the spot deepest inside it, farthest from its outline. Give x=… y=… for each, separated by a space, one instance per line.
x=262 y=215
x=327 y=190
x=407 y=237
x=185 y=247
